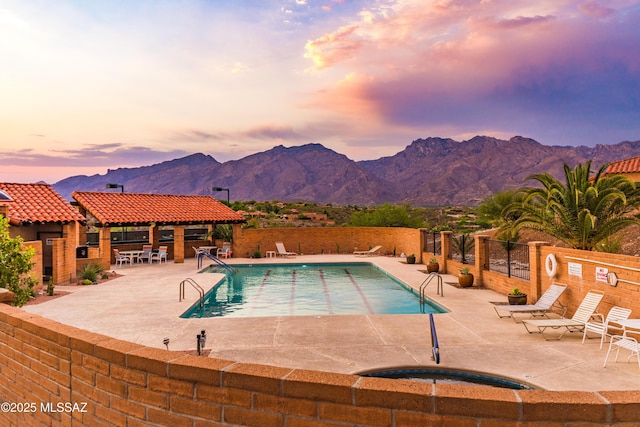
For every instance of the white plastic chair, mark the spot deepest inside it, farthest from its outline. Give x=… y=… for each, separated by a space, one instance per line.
x=602 y=326
x=160 y=255
x=121 y=259
x=146 y=253
x=628 y=341
x=225 y=251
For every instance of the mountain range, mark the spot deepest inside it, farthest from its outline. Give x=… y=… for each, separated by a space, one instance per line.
x=428 y=172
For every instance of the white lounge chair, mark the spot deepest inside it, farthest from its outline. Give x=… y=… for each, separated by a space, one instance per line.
x=603 y=326
x=282 y=251
x=629 y=341
x=547 y=302
x=577 y=322
x=370 y=252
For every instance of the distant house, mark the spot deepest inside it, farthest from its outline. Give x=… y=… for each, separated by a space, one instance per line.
x=38 y=214
x=627 y=167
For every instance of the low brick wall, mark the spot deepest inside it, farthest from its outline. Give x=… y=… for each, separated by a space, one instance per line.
x=327 y=240
x=60 y=375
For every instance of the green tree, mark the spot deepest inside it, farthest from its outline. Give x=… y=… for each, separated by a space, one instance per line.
x=15 y=265
x=387 y=216
x=494 y=207
x=582 y=212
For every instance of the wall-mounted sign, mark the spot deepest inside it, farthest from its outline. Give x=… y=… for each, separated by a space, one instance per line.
x=48 y=242
x=602 y=274
x=575 y=269
x=612 y=279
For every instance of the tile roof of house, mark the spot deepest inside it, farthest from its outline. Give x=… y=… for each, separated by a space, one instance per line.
x=37 y=203
x=139 y=209
x=631 y=165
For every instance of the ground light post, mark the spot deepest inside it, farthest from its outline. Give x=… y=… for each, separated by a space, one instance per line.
x=223 y=189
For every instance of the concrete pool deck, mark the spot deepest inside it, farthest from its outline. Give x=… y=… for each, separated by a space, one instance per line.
x=142 y=306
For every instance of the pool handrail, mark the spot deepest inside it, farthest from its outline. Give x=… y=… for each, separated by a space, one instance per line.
x=214 y=259
x=425 y=283
x=195 y=285
x=435 y=347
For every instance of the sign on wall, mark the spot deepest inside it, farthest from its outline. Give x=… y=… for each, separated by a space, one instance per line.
x=575 y=269
x=602 y=274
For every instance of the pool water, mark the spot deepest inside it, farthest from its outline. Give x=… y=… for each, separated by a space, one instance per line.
x=308 y=290
x=451 y=376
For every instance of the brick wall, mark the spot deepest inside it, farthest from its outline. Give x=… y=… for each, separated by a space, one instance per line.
x=627 y=268
x=325 y=240
x=125 y=384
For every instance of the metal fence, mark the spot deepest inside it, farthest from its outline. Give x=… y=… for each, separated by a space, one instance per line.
x=462 y=248
x=432 y=242
x=508 y=258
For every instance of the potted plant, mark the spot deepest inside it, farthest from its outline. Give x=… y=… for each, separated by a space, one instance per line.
x=432 y=265
x=411 y=259
x=465 y=278
x=516 y=297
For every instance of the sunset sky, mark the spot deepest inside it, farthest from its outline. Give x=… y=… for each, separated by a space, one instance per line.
x=87 y=86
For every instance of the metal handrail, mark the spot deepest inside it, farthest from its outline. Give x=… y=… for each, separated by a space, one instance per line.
x=195 y=286
x=435 y=347
x=425 y=283
x=215 y=259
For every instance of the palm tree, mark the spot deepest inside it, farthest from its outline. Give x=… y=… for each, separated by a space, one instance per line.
x=582 y=212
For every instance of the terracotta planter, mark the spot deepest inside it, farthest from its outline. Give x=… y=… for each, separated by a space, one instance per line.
x=517 y=299
x=465 y=280
x=433 y=267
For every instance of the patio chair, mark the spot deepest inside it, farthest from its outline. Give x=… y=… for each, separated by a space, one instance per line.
x=282 y=251
x=225 y=251
x=146 y=253
x=629 y=341
x=603 y=326
x=370 y=252
x=546 y=303
x=160 y=255
x=121 y=259
x=577 y=323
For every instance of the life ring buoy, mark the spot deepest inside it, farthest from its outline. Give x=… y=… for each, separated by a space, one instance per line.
x=551 y=265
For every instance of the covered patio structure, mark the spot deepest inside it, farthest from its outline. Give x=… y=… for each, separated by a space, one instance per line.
x=107 y=210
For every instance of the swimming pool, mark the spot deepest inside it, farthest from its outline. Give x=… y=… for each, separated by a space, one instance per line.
x=308 y=290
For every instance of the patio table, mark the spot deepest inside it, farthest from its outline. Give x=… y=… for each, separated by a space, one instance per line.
x=132 y=254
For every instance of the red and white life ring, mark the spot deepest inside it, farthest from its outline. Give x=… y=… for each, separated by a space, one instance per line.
x=551 y=265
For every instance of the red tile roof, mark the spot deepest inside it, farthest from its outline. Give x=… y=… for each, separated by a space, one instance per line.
x=631 y=165
x=37 y=203
x=139 y=209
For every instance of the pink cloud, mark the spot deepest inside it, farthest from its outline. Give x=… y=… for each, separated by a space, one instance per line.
x=332 y=48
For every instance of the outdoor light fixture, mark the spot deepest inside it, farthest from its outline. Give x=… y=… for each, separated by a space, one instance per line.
x=116 y=186
x=222 y=189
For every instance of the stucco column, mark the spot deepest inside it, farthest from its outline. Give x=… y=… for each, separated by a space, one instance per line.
x=105 y=247
x=480 y=250
x=178 y=244
x=445 y=240
x=154 y=236
x=535 y=269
